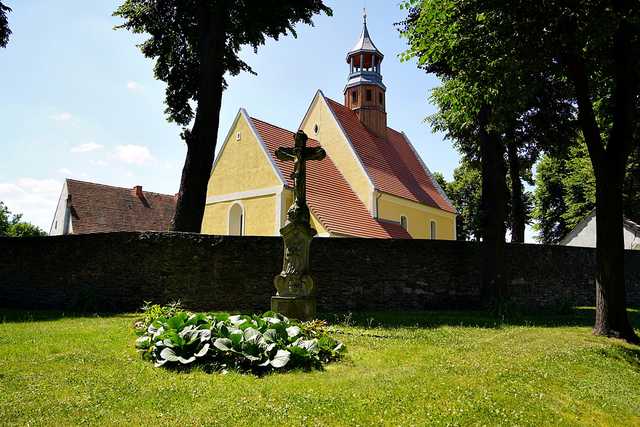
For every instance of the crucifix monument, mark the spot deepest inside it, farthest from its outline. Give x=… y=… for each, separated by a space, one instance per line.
x=295 y=288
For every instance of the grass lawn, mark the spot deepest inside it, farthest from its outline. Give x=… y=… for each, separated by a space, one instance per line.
x=402 y=369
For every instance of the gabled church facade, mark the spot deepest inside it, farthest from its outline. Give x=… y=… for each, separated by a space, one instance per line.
x=372 y=184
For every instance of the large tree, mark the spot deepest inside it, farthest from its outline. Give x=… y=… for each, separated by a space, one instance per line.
x=490 y=117
x=589 y=53
x=594 y=45
x=5 y=32
x=195 y=43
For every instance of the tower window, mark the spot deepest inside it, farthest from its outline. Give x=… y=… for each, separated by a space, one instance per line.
x=316 y=129
x=380 y=98
x=369 y=95
x=354 y=96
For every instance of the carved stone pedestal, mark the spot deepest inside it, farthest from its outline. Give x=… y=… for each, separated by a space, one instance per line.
x=295 y=297
x=301 y=308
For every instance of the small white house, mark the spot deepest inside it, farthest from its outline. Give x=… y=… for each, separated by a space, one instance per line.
x=585 y=233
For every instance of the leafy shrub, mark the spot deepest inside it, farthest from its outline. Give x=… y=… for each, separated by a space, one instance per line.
x=152 y=312
x=219 y=341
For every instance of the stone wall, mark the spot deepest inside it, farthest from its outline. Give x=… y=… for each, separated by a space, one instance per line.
x=118 y=271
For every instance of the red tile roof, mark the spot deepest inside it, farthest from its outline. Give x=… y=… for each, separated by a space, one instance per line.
x=98 y=208
x=392 y=164
x=330 y=198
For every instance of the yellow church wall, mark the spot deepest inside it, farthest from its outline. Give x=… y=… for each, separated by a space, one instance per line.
x=242 y=165
x=259 y=216
x=335 y=143
x=419 y=217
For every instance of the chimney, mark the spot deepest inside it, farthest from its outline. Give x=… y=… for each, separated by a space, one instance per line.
x=140 y=195
x=138 y=189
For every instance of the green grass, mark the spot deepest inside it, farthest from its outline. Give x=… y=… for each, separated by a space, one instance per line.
x=432 y=368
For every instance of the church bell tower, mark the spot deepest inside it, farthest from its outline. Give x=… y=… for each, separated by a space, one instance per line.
x=365 y=93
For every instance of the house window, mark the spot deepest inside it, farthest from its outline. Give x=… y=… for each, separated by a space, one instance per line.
x=403 y=222
x=433 y=231
x=354 y=96
x=369 y=95
x=236 y=220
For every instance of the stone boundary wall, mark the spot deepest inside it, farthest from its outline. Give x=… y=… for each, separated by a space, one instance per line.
x=118 y=271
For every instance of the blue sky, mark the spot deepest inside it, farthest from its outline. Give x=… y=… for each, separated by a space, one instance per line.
x=79 y=100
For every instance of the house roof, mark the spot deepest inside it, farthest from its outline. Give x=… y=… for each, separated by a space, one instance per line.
x=329 y=196
x=98 y=208
x=631 y=225
x=626 y=223
x=391 y=163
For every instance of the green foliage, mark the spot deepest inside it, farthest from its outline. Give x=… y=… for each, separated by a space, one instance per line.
x=13 y=226
x=565 y=192
x=465 y=193
x=178 y=27
x=487 y=92
x=5 y=32
x=151 y=312
x=219 y=341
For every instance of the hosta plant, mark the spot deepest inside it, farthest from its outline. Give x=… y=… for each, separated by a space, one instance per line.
x=219 y=341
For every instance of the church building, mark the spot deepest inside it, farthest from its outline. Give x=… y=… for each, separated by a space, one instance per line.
x=372 y=183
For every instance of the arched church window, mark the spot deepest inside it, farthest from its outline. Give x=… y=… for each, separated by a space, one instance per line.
x=354 y=96
x=403 y=222
x=433 y=230
x=236 y=220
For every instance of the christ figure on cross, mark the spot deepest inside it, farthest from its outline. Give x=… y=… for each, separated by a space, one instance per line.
x=299 y=155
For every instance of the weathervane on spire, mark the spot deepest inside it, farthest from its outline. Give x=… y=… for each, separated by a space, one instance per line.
x=364 y=14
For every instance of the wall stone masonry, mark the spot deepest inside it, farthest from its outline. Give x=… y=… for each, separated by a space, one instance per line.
x=118 y=271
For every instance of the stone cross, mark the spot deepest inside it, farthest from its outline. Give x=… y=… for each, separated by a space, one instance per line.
x=295 y=295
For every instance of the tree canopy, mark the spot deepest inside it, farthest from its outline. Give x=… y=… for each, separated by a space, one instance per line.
x=176 y=37
x=502 y=60
x=13 y=226
x=465 y=193
x=5 y=32
x=195 y=44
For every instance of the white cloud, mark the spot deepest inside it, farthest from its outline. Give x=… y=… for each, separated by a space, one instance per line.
x=62 y=117
x=99 y=163
x=134 y=86
x=35 y=198
x=133 y=154
x=85 y=148
x=65 y=171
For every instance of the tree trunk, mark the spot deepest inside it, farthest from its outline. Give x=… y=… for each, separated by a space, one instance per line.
x=518 y=211
x=493 y=214
x=609 y=167
x=611 y=314
x=201 y=140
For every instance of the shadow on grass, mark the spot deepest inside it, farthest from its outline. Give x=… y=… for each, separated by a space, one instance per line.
x=578 y=316
x=25 y=316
